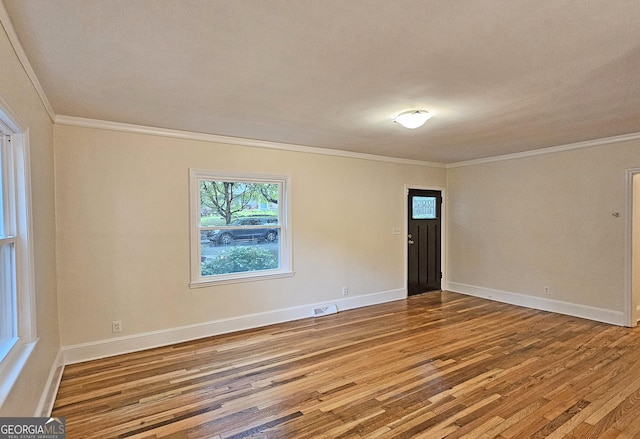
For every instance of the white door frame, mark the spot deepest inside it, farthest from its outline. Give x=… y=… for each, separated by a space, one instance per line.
x=629 y=311
x=443 y=225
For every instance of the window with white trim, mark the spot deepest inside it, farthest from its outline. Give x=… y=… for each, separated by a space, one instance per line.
x=17 y=301
x=17 y=310
x=8 y=302
x=239 y=227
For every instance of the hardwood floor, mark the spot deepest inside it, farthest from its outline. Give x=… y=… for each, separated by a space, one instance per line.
x=432 y=366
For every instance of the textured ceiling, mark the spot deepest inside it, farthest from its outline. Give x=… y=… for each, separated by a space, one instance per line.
x=498 y=76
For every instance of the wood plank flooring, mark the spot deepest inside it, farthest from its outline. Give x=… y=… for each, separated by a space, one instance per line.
x=440 y=365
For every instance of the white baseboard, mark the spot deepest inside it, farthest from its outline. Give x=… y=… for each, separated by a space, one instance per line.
x=137 y=342
x=541 y=303
x=45 y=406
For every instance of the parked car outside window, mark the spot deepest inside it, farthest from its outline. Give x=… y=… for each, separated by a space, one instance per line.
x=246 y=231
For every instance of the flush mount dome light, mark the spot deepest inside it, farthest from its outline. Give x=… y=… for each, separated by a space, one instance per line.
x=413 y=119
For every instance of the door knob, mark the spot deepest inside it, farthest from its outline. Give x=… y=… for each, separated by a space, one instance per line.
x=410 y=241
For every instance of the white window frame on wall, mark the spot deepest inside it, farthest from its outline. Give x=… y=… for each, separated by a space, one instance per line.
x=17 y=218
x=284 y=239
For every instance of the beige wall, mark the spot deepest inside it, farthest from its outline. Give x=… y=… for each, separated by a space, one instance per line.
x=18 y=92
x=123 y=230
x=519 y=225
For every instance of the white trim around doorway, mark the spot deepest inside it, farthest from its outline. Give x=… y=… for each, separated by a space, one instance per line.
x=629 y=311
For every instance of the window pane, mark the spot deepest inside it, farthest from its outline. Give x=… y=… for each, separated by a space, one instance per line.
x=238 y=255
x=423 y=208
x=240 y=227
x=227 y=203
x=7 y=294
x=2 y=188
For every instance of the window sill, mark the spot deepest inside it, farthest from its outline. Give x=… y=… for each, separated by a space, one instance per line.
x=12 y=365
x=244 y=278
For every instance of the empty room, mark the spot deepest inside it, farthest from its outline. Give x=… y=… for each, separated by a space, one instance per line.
x=320 y=219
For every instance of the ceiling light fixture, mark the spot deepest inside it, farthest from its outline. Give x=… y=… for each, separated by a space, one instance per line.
x=413 y=119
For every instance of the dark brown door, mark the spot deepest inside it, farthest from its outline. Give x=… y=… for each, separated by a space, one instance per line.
x=423 y=241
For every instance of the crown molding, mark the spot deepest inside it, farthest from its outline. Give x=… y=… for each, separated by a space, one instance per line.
x=548 y=150
x=5 y=20
x=188 y=135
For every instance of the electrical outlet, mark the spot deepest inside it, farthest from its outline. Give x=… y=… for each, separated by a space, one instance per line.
x=345 y=291
x=547 y=291
x=116 y=326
